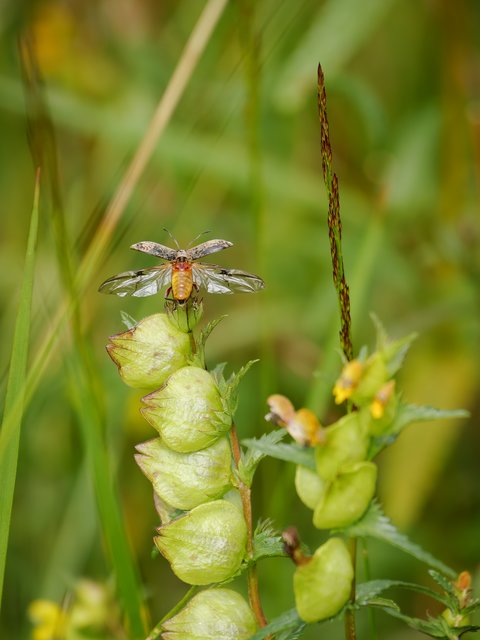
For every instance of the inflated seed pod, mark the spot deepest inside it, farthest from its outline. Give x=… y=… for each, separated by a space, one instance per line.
x=186 y=316
x=322 y=585
x=185 y=480
x=188 y=411
x=149 y=352
x=346 y=441
x=212 y=615
x=310 y=487
x=206 y=545
x=347 y=497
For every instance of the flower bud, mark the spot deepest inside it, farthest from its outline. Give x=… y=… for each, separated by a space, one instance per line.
x=346 y=441
x=210 y=615
x=149 y=352
x=322 y=585
x=206 y=545
x=184 y=316
x=310 y=487
x=185 y=480
x=347 y=498
x=188 y=411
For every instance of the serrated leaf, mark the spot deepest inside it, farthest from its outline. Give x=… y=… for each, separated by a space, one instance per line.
x=288 y=452
x=435 y=627
x=229 y=388
x=407 y=414
x=382 y=603
x=249 y=462
x=375 y=524
x=267 y=542
x=286 y=623
x=367 y=592
x=396 y=351
x=207 y=330
x=446 y=584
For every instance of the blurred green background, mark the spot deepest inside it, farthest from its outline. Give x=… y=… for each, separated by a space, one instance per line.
x=241 y=157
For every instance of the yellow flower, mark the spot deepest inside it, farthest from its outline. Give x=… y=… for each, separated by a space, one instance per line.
x=49 y=620
x=302 y=425
x=382 y=397
x=348 y=381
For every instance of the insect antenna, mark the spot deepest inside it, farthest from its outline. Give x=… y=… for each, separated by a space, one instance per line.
x=172 y=237
x=197 y=237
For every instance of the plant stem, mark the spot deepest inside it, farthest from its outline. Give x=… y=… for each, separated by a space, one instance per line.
x=350 y=632
x=157 y=629
x=245 y=494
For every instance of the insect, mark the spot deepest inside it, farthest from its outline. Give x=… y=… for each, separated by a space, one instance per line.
x=181 y=273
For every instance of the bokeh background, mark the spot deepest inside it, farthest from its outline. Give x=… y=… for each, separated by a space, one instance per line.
x=241 y=157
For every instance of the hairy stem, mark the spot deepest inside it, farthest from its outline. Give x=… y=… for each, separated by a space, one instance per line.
x=245 y=494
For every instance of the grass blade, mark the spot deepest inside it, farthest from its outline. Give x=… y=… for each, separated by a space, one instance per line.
x=14 y=400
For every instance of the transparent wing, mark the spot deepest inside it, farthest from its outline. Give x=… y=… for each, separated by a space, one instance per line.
x=210 y=246
x=155 y=249
x=140 y=284
x=217 y=279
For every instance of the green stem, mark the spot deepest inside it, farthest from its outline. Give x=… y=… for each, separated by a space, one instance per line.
x=157 y=629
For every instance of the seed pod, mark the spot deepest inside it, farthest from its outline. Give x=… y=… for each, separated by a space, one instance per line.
x=210 y=615
x=347 y=498
x=346 y=441
x=322 y=585
x=149 y=352
x=188 y=411
x=310 y=487
x=185 y=480
x=206 y=545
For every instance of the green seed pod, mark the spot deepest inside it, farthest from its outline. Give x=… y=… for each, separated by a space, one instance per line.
x=188 y=411
x=213 y=614
x=322 y=585
x=346 y=441
x=185 y=480
x=310 y=487
x=149 y=352
x=347 y=498
x=374 y=376
x=206 y=545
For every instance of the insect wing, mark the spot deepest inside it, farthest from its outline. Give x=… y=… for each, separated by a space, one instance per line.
x=210 y=246
x=217 y=279
x=155 y=249
x=140 y=284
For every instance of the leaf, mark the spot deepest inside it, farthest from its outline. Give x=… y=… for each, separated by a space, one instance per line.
x=14 y=400
x=434 y=627
x=406 y=415
x=375 y=524
x=229 y=387
x=251 y=458
x=267 y=542
x=288 y=452
x=288 y=624
x=367 y=592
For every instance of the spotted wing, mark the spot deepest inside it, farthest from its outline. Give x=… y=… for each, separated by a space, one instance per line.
x=217 y=279
x=155 y=249
x=210 y=246
x=140 y=284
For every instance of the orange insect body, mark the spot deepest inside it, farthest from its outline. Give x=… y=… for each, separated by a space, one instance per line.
x=182 y=280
